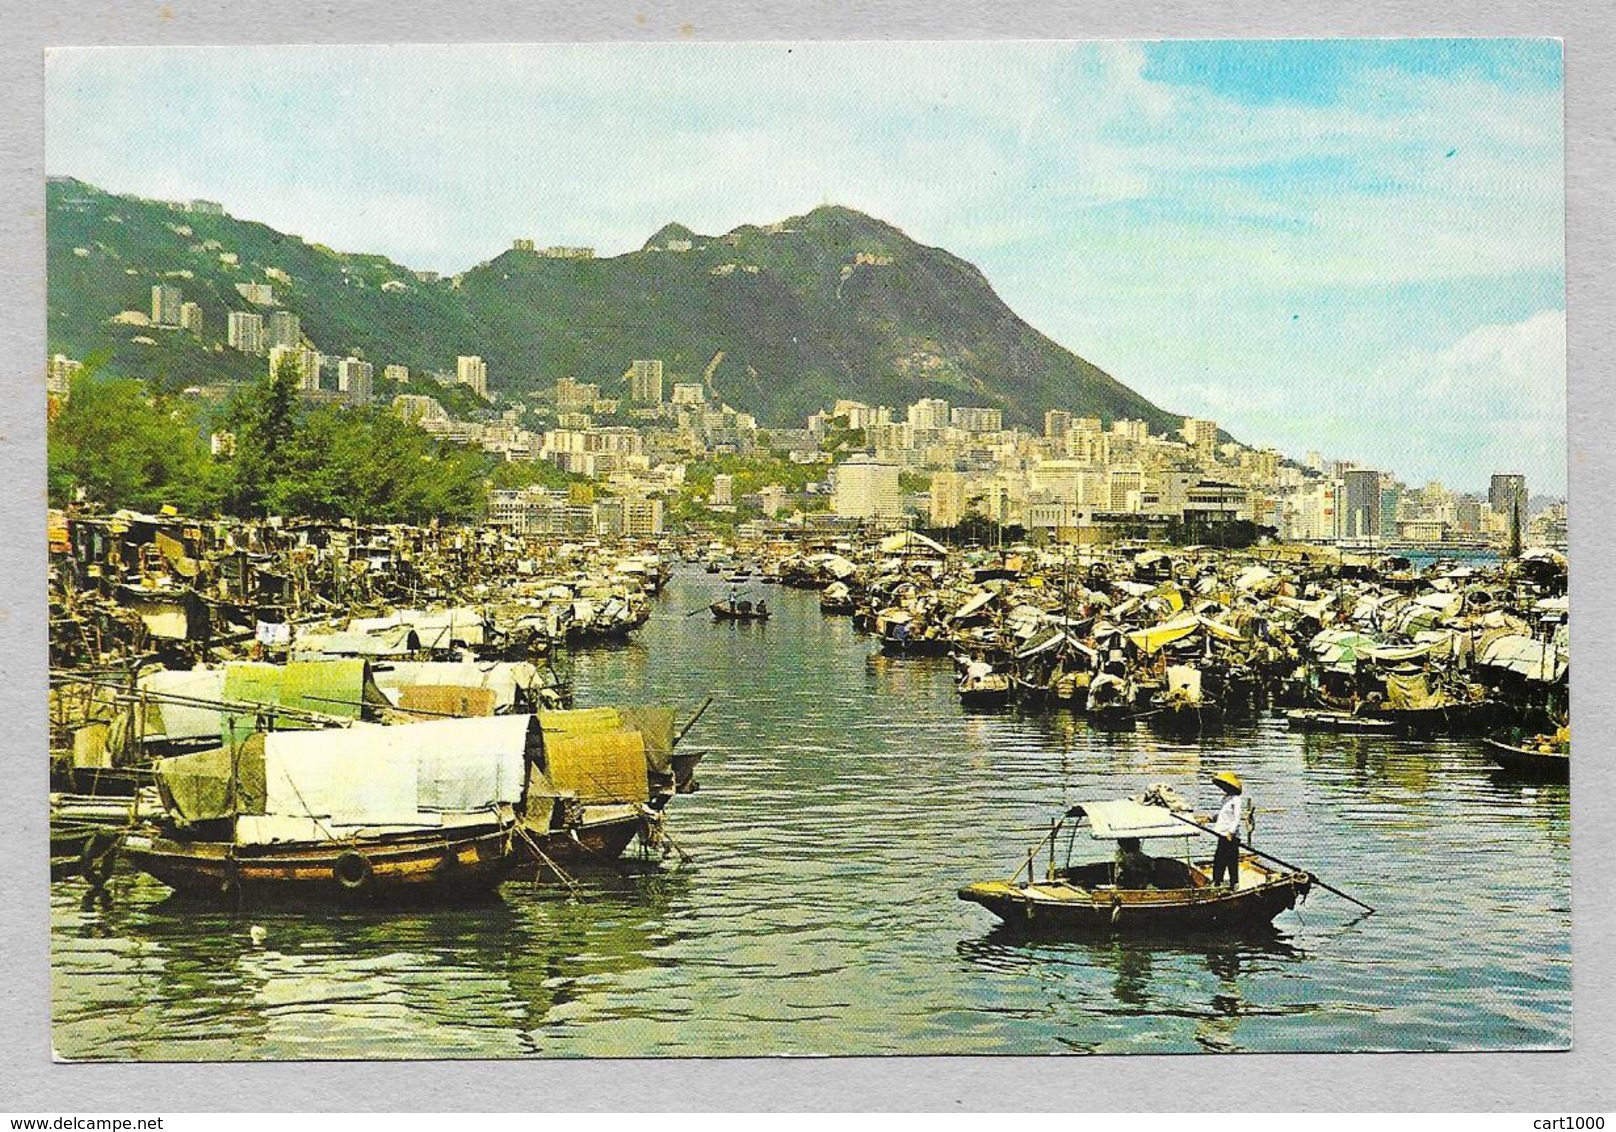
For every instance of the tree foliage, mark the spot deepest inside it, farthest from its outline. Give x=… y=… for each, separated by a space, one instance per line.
x=116 y=442
x=119 y=445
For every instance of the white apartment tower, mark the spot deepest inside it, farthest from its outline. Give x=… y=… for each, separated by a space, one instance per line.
x=354 y=379
x=285 y=329
x=245 y=332
x=866 y=489
x=473 y=371
x=165 y=305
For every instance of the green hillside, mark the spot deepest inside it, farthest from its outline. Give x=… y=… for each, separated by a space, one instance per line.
x=783 y=319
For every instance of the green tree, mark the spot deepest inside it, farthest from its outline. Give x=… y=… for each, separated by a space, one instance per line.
x=264 y=417
x=123 y=447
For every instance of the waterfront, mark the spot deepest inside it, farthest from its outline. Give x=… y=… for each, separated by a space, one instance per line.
x=845 y=798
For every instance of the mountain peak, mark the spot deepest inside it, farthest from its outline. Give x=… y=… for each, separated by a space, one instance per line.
x=669 y=232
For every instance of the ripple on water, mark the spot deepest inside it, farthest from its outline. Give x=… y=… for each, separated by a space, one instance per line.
x=844 y=798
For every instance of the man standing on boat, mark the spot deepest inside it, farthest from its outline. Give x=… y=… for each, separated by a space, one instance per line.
x=1233 y=818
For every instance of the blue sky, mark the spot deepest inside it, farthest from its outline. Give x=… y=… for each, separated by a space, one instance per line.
x=1351 y=246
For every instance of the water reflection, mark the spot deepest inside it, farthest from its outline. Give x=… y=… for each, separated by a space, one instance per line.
x=845 y=800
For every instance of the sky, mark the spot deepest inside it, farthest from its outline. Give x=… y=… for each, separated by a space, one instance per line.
x=1348 y=246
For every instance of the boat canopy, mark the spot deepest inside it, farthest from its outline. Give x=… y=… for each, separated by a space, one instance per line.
x=1124 y=818
x=910 y=540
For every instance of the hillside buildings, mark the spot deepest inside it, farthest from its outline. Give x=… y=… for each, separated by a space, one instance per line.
x=645 y=382
x=354 y=378
x=307 y=363
x=244 y=331
x=284 y=329
x=472 y=371
x=165 y=305
x=867 y=489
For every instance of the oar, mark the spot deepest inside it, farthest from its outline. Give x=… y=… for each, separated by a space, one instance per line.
x=1283 y=864
x=685 y=730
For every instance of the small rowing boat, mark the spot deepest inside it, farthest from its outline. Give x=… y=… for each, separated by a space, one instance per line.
x=739 y=611
x=1136 y=893
x=1322 y=719
x=1546 y=759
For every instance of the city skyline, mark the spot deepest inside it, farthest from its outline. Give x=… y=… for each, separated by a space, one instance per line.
x=1350 y=246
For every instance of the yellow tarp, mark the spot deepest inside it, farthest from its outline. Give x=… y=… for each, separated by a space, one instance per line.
x=1410 y=692
x=1159 y=636
x=436 y=700
x=598 y=766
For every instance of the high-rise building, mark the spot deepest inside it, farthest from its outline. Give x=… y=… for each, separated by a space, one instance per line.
x=866 y=489
x=191 y=317
x=1123 y=488
x=1202 y=435
x=1056 y=423
x=398 y=375
x=1506 y=495
x=723 y=493
x=306 y=362
x=645 y=382
x=571 y=394
x=974 y=419
x=947 y=499
x=1129 y=430
x=473 y=371
x=929 y=412
x=354 y=379
x=245 y=332
x=285 y=329
x=689 y=393
x=165 y=305
x=1360 y=504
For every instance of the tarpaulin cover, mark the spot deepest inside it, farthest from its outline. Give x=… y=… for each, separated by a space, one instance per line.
x=654 y=722
x=168 y=720
x=1409 y=691
x=1533 y=659
x=1184 y=683
x=910 y=540
x=598 y=766
x=1158 y=636
x=501 y=678
x=436 y=627
x=332 y=688
x=1123 y=818
x=197 y=787
x=446 y=700
x=400 y=640
x=394 y=775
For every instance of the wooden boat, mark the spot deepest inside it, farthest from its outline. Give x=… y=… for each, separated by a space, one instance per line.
x=984 y=689
x=1532 y=761
x=739 y=611
x=1322 y=719
x=1178 y=896
x=426 y=865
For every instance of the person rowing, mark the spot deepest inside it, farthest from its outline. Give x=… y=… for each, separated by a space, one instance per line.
x=1234 y=818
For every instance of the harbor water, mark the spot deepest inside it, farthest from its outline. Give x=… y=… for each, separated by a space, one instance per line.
x=845 y=797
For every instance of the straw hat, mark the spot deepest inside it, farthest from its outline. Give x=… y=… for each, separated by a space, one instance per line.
x=1229 y=781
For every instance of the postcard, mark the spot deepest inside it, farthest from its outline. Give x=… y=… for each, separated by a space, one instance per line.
x=824 y=548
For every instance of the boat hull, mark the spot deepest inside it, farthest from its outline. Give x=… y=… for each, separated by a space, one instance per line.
x=434 y=866
x=1311 y=719
x=1552 y=767
x=1057 y=907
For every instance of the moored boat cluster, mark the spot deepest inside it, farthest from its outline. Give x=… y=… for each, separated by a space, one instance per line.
x=330 y=712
